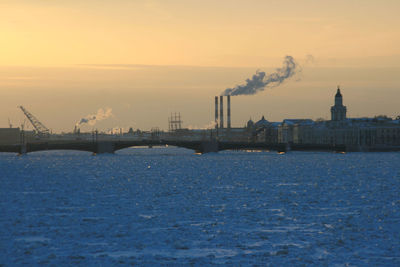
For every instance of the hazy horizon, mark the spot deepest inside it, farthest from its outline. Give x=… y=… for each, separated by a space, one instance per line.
x=146 y=59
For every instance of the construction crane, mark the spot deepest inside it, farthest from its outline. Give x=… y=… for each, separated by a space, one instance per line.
x=41 y=130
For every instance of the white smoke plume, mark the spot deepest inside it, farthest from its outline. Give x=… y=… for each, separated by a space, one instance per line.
x=209 y=126
x=261 y=80
x=116 y=130
x=93 y=119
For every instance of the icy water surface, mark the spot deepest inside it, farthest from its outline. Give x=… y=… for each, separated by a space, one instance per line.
x=168 y=206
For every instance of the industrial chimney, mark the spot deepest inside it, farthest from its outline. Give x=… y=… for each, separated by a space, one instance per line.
x=216 y=112
x=221 y=112
x=228 y=122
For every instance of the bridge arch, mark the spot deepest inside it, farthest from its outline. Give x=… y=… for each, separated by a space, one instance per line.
x=34 y=147
x=59 y=150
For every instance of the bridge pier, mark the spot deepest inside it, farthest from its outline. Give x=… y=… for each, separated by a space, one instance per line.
x=22 y=149
x=105 y=147
x=288 y=147
x=209 y=146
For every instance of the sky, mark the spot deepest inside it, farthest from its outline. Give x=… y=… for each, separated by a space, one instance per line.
x=64 y=60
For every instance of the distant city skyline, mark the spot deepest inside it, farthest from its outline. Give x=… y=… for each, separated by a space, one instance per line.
x=65 y=60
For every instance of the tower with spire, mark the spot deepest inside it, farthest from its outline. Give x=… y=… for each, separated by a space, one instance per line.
x=338 y=111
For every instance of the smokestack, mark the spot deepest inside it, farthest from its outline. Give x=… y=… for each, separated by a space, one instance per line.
x=221 y=112
x=216 y=112
x=228 y=122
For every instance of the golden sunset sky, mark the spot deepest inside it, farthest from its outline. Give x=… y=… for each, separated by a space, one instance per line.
x=64 y=59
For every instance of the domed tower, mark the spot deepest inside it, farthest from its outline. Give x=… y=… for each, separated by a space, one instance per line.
x=338 y=111
x=262 y=123
x=250 y=124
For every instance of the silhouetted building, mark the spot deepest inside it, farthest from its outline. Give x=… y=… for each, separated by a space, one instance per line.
x=338 y=111
x=10 y=136
x=355 y=133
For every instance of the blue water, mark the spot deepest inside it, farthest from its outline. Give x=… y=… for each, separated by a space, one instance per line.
x=168 y=206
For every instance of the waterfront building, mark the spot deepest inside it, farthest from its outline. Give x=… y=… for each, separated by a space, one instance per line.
x=354 y=133
x=9 y=135
x=338 y=111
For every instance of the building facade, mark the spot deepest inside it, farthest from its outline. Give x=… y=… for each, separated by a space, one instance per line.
x=340 y=130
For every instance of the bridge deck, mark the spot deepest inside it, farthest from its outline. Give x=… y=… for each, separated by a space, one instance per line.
x=199 y=146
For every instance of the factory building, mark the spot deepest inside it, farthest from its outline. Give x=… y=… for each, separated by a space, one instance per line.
x=12 y=136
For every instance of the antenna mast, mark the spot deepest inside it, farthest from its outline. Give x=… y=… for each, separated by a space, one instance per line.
x=175 y=122
x=42 y=130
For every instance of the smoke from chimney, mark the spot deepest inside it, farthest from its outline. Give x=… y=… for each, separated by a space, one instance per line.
x=92 y=119
x=260 y=80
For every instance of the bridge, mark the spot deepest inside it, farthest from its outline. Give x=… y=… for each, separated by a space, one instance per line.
x=199 y=146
